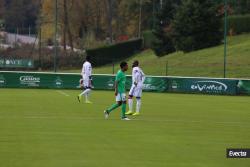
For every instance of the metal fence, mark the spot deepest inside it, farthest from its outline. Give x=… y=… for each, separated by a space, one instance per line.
x=26 y=49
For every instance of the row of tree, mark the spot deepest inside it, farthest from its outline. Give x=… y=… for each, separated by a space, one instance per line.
x=87 y=22
x=90 y=22
x=81 y=22
x=188 y=25
x=19 y=13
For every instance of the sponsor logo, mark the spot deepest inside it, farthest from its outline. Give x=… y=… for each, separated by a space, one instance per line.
x=16 y=63
x=240 y=84
x=58 y=82
x=238 y=153
x=149 y=87
x=209 y=86
x=110 y=84
x=13 y=62
x=174 y=85
x=30 y=63
x=155 y=84
x=2 y=62
x=30 y=80
x=2 y=80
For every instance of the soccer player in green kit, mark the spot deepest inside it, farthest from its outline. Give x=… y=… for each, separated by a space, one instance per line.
x=120 y=92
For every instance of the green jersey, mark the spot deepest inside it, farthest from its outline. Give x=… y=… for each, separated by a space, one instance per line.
x=121 y=81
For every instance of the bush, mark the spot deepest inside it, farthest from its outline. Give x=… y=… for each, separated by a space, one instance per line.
x=238 y=24
x=164 y=43
x=148 y=39
x=113 y=53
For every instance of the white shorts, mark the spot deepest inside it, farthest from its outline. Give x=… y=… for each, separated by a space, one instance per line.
x=136 y=91
x=86 y=82
x=121 y=97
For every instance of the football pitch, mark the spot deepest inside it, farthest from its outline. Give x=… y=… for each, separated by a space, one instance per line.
x=50 y=128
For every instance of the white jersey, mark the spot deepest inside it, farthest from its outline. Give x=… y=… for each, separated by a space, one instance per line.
x=86 y=74
x=138 y=76
x=86 y=69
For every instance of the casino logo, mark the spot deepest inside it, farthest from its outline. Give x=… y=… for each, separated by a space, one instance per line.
x=30 y=81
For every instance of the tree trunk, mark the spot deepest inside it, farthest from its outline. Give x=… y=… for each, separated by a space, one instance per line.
x=66 y=26
x=110 y=19
x=98 y=19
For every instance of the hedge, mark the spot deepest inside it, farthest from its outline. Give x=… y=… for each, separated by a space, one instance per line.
x=148 y=39
x=238 y=24
x=113 y=53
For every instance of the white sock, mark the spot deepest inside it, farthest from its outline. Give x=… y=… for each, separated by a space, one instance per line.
x=85 y=92
x=87 y=95
x=138 y=105
x=130 y=104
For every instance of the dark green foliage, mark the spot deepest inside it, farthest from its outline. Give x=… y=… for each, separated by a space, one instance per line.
x=196 y=25
x=21 y=14
x=148 y=39
x=239 y=24
x=113 y=53
x=242 y=6
x=237 y=6
x=162 y=31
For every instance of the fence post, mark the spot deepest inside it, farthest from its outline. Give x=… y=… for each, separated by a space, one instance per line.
x=225 y=38
x=40 y=48
x=166 y=68
x=113 y=67
x=29 y=31
x=55 y=36
x=15 y=43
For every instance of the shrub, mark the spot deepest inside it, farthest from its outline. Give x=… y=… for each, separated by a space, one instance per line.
x=113 y=53
x=148 y=39
x=238 y=24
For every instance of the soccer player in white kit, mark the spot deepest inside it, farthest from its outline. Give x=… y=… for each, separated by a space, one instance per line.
x=86 y=80
x=138 y=78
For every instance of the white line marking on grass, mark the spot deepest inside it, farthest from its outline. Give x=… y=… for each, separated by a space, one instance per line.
x=63 y=93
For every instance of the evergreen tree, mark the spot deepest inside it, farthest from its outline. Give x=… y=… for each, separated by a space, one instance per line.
x=21 y=14
x=162 y=31
x=237 y=6
x=2 y=9
x=196 y=25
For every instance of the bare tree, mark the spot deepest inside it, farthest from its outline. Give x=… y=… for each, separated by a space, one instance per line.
x=109 y=5
x=67 y=26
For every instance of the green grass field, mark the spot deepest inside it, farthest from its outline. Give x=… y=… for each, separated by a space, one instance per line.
x=205 y=63
x=49 y=128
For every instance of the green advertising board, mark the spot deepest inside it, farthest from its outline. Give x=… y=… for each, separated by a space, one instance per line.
x=38 y=80
x=71 y=81
x=155 y=84
x=203 y=85
x=16 y=63
x=106 y=82
x=2 y=81
x=244 y=87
